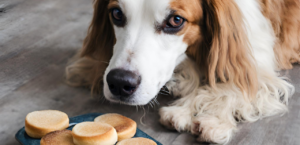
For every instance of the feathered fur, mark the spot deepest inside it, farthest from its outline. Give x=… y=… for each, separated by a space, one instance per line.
x=225 y=60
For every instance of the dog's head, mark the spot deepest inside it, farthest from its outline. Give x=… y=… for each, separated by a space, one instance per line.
x=143 y=41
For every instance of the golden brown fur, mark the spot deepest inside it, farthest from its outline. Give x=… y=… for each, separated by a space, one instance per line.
x=96 y=51
x=215 y=35
x=285 y=18
x=221 y=46
x=100 y=39
x=99 y=42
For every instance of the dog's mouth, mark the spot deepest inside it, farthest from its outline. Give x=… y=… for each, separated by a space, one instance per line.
x=128 y=101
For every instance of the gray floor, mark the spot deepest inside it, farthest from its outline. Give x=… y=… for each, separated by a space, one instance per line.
x=37 y=37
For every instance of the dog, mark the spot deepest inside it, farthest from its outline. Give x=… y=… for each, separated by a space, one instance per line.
x=220 y=58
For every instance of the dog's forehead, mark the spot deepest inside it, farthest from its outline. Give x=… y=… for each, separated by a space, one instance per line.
x=157 y=9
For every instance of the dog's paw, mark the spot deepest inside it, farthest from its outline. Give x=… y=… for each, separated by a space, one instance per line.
x=212 y=129
x=174 y=117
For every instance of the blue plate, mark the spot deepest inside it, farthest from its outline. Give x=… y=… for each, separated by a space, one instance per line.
x=24 y=139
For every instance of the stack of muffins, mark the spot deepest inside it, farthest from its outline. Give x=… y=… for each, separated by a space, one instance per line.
x=108 y=129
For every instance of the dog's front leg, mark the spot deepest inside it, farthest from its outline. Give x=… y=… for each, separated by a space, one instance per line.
x=184 y=81
x=206 y=112
x=178 y=117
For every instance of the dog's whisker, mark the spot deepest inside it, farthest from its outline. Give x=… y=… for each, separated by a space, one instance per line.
x=102 y=99
x=155 y=100
x=144 y=115
x=150 y=103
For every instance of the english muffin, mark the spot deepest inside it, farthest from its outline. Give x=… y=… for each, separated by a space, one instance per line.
x=137 y=141
x=94 y=133
x=61 y=137
x=125 y=127
x=39 y=123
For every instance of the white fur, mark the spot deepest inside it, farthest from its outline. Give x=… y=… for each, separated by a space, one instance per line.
x=214 y=112
x=210 y=113
x=141 y=49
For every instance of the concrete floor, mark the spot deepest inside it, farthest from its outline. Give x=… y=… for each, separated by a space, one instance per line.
x=37 y=37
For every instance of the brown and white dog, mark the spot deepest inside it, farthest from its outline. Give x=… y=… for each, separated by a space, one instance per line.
x=220 y=57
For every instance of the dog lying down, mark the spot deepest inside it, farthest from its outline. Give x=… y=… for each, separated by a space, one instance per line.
x=220 y=58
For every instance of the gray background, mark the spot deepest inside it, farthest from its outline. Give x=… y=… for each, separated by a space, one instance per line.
x=37 y=37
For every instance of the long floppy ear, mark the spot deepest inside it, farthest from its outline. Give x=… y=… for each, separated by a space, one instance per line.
x=87 y=68
x=224 y=51
x=100 y=39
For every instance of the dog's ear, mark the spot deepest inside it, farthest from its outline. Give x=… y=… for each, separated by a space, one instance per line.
x=223 y=51
x=100 y=39
x=87 y=69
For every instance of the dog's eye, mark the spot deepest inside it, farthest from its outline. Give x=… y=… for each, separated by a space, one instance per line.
x=118 y=17
x=174 y=24
x=117 y=14
x=175 y=21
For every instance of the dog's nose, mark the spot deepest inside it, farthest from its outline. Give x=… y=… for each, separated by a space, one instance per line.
x=122 y=83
